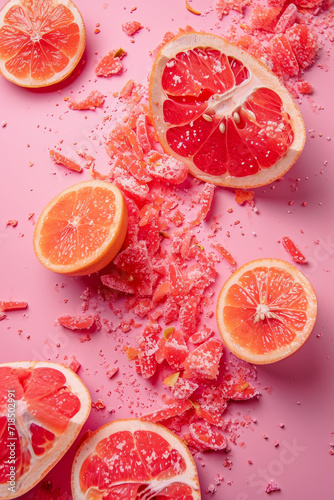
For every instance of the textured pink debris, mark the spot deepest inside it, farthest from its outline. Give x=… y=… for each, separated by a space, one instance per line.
x=94 y=100
x=272 y=486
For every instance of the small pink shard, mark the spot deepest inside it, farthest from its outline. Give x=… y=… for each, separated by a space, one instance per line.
x=94 y=100
x=112 y=372
x=205 y=200
x=110 y=64
x=272 y=486
x=76 y=322
x=74 y=364
x=131 y=27
x=12 y=222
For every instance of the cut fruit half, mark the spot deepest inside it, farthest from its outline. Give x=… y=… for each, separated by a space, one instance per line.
x=82 y=229
x=43 y=407
x=266 y=310
x=41 y=42
x=223 y=112
x=133 y=459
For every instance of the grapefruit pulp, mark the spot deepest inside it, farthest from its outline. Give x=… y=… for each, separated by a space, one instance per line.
x=134 y=459
x=41 y=42
x=223 y=112
x=43 y=407
x=81 y=230
x=266 y=310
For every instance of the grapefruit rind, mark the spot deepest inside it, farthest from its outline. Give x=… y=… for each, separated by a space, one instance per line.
x=300 y=338
x=42 y=465
x=260 y=76
x=106 y=252
x=188 y=477
x=62 y=75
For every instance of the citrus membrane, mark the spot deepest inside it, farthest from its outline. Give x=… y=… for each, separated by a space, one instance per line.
x=223 y=112
x=43 y=407
x=266 y=310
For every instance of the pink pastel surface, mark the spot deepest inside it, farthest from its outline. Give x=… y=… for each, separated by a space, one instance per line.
x=296 y=392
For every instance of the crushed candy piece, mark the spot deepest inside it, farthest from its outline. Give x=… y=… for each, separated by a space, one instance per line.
x=183 y=388
x=293 y=250
x=76 y=322
x=12 y=305
x=131 y=27
x=94 y=100
x=243 y=195
x=12 y=222
x=207 y=436
x=111 y=63
x=201 y=335
x=60 y=159
x=272 y=486
x=173 y=409
x=203 y=362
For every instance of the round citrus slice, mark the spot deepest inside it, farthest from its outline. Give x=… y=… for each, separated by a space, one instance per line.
x=223 y=112
x=43 y=407
x=134 y=459
x=41 y=42
x=266 y=310
x=81 y=230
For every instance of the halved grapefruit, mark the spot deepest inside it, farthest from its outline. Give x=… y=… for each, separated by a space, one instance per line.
x=266 y=310
x=82 y=229
x=43 y=407
x=223 y=112
x=133 y=459
x=41 y=42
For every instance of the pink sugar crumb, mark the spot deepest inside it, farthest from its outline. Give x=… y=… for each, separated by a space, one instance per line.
x=183 y=389
x=110 y=64
x=131 y=27
x=76 y=322
x=201 y=336
x=74 y=364
x=204 y=201
x=204 y=361
x=94 y=100
x=272 y=486
x=12 y=222
x=112 y=372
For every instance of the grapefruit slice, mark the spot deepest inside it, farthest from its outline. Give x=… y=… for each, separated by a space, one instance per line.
x=223 y=112
x=266 y=310
x=133 y=459
x=43 y=407
x=81 y=230
x=40 y=42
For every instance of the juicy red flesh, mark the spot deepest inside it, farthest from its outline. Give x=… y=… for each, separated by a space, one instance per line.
x=257 y=138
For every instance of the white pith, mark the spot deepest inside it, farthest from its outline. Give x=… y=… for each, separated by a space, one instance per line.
x=189 y=477
x=40 y=465
x=260 y=76
x=30 y=82
x=264 y=312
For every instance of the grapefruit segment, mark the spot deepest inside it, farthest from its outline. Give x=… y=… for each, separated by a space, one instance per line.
x=134 y=459
x=223 y=112
x=81 y=230
x=40 y=44
x=50 y=404
x=266 y=310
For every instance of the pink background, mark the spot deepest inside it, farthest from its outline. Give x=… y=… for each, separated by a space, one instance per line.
x=297 y=391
